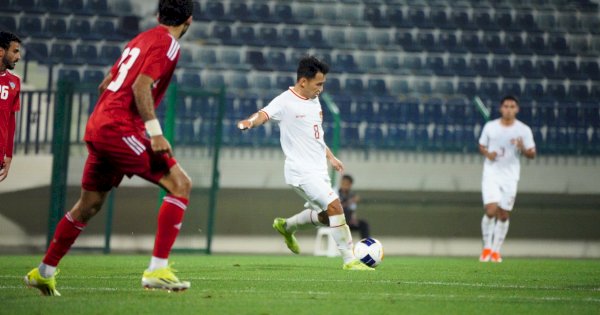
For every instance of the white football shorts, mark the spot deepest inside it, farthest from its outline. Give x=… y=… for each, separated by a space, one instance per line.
x=500 y=191
x=317 y=192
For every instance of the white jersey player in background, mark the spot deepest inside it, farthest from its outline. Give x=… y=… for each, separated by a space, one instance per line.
x=298 y=112
x=502 y=141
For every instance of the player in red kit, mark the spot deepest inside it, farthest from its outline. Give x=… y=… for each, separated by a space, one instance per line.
x=10 y=87
x=124 y=137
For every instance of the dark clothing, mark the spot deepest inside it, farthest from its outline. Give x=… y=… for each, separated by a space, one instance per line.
x=349 y=208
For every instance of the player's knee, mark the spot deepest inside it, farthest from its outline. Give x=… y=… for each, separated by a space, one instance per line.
x=183 y=186
x=335 y=208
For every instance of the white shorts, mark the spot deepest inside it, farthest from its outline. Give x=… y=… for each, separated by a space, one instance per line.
x=500 y=191
x=317 y=192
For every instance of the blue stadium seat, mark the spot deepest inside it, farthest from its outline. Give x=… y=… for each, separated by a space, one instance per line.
x=85 y=54
x=440 y=19
x=545 y=113
x=232 y=59
x=481 y=67
x=432 y=110
x=484 y=21
x=473 y=44
x=53 y=7
x=238 y=10
x=109 y=54
x=103 y=29
x=524 y=21
x=495 y=45
x=558 y=43
x=197 y=11
x=467 y=88
x=426 y=41
x=514 y=42
x=373 y=15
x=223 y=34
x=69 y=75
x=213 y=11
x=511 y=88
x=374 y=136
x=207 y=57
x=556 y=92
x=578 y=93
x=353 y=86
x=92 y=77
x=591 y=69
x=345 y=63
x=591 y=114
x=503 y=68
x=461 y=20
x=267 y=36
x=526 y=113
x=283 y=82
x=101 y=8
x=79 y=28
x=421 y=138
x=75 y=7
x=443 y=87
x=533 y=91
x=423 y=87
x=8 y=23
x=367 y=63
x=436 y=65
x=398 y=86
x=525 y=68
x=396 y=137
x=9 y=7
x=405 y=40
x=395 y=16
x=538 y=45
x=244 y=35
x=37 y=51
x=61 y=53
x=257 y=60
x=412 y=64
x=456 y=110
x=190 y=79
x=504 y=21
x=377 y=87
x=458 y=66
x=546 y=68
x=260 y=12
x=283 y=13
x=359 y=39
x=315 y=37
x=488 y=90
x=304 y=13
x=31 y=26
x=213 y=81
x=350 y=136
x=276 y=60
x=416 y=17
x=238 y=82
x=363 y=111
x=449 y=43
x=568 y=69
x=332 y=86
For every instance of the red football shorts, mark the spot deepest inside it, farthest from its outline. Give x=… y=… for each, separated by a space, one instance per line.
x=107 y=163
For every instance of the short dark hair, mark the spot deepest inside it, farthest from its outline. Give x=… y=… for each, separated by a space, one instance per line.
x=509 y=98
x=348 y=177
x=174 y=12
x=6 y=38
x=309 y=66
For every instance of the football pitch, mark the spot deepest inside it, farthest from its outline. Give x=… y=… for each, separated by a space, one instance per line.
x=238 y=284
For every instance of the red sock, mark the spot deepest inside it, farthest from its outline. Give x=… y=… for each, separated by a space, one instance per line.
x=170 y=217
x=65 y=235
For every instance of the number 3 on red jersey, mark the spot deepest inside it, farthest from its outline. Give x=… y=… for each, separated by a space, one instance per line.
x=127 y=59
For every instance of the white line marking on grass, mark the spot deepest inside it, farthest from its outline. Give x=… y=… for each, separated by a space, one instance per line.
x=297 y=294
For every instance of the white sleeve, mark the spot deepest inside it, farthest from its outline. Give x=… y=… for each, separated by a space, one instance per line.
x=484 y=139
x=274 y=109
x=528 y=142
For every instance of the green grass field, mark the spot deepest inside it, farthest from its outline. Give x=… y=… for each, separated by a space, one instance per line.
x=96 y=284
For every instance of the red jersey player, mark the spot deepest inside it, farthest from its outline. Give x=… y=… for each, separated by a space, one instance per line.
x=10 y=87
x=118 y=146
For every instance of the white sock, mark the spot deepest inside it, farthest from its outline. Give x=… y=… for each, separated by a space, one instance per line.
x=500 y=231
x=487 y=230
x=157 y=263
x=341 y=235
x=303 y=219
x=46 y=271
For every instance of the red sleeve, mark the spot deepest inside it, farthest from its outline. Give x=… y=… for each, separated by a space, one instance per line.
x=11 y=134
x=159 y=59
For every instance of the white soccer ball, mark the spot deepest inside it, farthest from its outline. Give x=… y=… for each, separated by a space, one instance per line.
x=369 y=251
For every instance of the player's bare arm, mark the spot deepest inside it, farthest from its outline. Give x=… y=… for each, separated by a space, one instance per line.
x=145 y=106
x=104 y=84
x=489 y=155
x=335 y=162
x=4 y=168
x=254 y=120
x=528 y=153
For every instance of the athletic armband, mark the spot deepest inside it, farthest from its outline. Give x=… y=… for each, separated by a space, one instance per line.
x=153 y=128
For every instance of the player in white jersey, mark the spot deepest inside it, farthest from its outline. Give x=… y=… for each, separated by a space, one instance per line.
x=298 y=112
x=502 y=141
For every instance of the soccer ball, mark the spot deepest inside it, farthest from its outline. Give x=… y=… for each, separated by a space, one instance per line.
x=369 y=251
